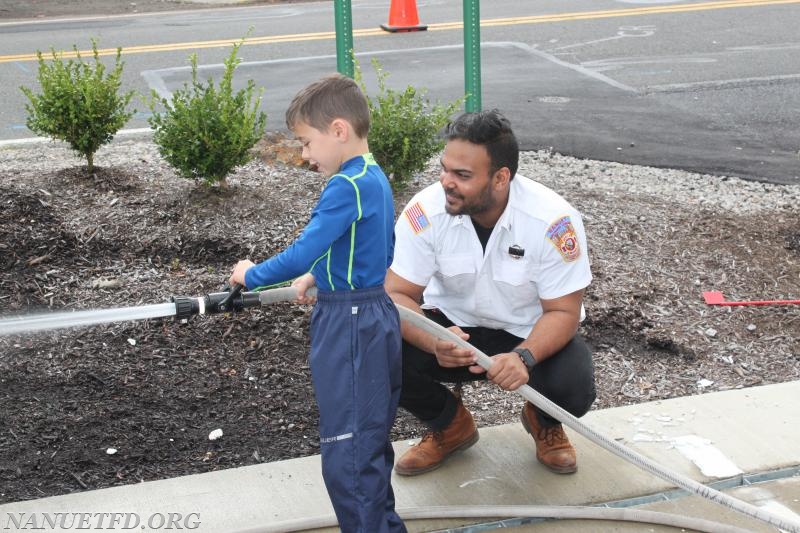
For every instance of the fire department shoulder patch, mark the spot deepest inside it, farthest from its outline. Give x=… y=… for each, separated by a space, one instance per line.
x=562 y=235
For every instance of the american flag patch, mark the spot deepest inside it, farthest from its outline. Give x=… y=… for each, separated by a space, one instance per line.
x=417 y=218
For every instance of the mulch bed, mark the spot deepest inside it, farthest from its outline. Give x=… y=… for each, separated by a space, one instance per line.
x=134 y=234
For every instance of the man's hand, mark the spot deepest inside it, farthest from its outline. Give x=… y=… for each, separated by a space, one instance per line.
x=507 y=371
x=302 y=284
x=449 y=355
x=239 y=271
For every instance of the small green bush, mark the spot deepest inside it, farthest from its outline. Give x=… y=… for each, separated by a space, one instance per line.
x=79 y=104
x=404 y=128
x=207 y=131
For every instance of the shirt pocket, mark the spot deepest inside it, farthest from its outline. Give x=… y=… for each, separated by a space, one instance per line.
x=457 y=273
x=515 y=279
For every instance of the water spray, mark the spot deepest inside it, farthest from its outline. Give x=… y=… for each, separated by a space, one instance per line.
x=181 y=307
x=70 y=319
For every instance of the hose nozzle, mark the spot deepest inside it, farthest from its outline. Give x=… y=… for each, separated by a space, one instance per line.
x=214 y=303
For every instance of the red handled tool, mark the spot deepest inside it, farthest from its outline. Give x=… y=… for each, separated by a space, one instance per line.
x=716 y=298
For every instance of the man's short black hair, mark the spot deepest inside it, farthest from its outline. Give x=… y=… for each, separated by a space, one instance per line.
x=492 y=130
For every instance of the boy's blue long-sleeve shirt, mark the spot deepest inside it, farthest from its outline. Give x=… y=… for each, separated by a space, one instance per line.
x=349 y=241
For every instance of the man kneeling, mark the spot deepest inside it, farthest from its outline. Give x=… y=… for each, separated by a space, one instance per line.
x=501 y=260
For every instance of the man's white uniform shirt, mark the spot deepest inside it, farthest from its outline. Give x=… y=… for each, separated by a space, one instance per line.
x=537 y=250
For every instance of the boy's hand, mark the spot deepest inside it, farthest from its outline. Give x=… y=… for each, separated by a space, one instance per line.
x=302 y=284
x=239 y=271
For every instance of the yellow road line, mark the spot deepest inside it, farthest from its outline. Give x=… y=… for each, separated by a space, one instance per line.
x=444 y=26
x=585 y=15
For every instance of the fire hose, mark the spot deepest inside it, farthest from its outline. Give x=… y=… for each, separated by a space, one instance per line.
x=183 y=307
x=574 y=423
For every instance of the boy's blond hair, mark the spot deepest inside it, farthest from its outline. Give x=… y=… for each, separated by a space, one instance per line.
x=334 y=96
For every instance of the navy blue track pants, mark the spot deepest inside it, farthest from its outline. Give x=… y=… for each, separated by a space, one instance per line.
x=356 y=368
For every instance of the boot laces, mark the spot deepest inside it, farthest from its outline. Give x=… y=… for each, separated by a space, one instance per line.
x=553 y=435
x=436 y=436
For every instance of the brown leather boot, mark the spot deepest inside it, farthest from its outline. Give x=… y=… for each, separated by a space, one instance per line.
x=436 y=446
x=553 y=449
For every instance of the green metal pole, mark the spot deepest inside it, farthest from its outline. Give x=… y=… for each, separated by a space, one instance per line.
x=344 y=38
x=472 y=55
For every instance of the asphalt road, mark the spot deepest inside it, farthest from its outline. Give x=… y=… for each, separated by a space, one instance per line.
x=709 y=86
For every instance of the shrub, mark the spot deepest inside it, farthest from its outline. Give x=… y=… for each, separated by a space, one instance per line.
x=79 y=104
x=404 y=128
x=206 y=131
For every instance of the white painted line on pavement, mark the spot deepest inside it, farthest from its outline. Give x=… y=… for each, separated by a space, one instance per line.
x=721 y=84
x=36 y=140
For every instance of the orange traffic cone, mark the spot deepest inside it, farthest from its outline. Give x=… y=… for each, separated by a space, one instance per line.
x=403 y=17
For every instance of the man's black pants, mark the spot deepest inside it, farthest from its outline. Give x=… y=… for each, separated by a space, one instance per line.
x=566 y=378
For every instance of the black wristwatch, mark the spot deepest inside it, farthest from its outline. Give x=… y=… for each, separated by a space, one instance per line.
x=527 y=358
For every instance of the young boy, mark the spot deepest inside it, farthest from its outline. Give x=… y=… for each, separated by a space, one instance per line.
x=345 y=250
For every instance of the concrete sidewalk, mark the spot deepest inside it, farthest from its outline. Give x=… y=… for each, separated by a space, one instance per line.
x=756 y=429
